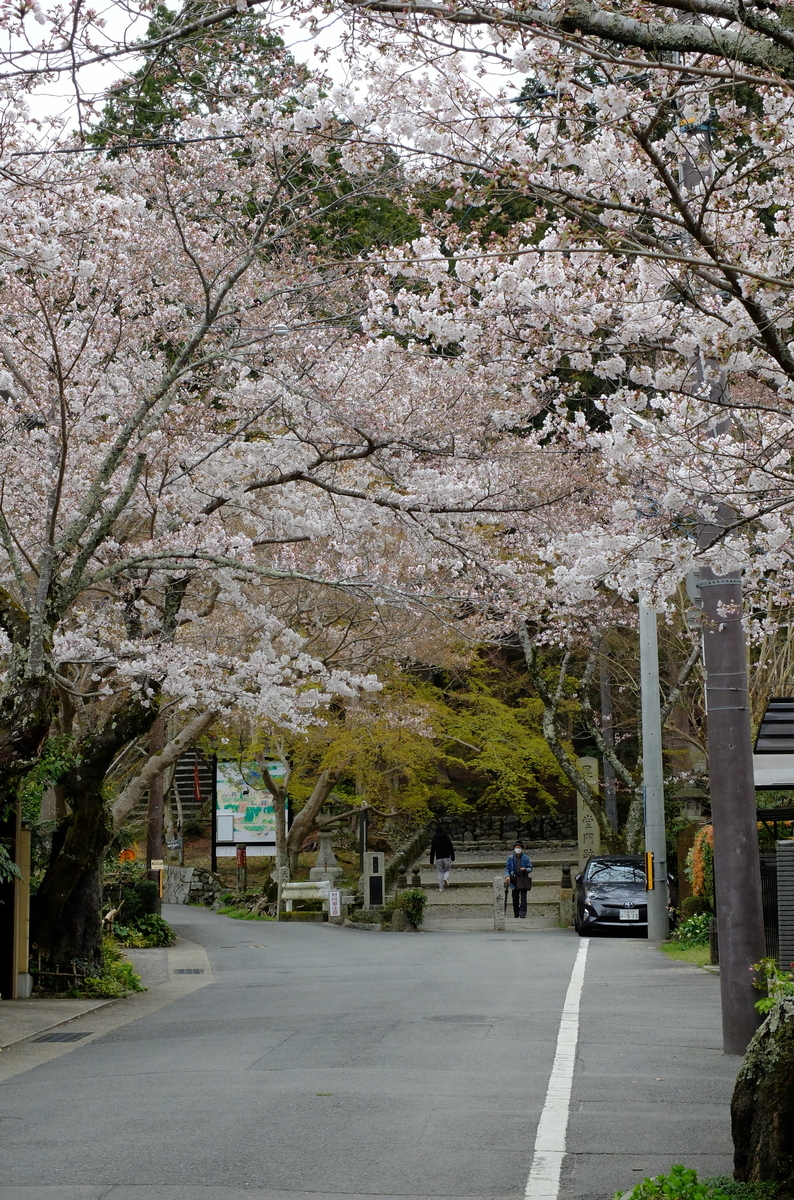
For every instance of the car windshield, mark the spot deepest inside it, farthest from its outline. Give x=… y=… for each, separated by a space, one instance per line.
x=615 y=873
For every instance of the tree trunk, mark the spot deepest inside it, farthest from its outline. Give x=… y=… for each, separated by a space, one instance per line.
x=27 y=706
x=762 y=1109
x=305 y=822
x=610 y=784
x=66 y=910
x=154 y=822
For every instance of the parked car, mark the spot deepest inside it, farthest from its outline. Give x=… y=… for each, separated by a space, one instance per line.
x=610 y=894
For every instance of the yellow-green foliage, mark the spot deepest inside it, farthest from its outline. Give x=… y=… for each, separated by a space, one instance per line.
x=398 y=747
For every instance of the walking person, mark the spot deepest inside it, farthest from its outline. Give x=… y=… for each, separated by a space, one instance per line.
x=518 y=872
x=442 y=852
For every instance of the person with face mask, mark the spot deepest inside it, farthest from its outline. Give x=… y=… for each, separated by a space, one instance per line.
x=518 y=874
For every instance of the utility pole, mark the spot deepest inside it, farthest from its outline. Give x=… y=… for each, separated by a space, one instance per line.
x=653 y=775
x=608 y=733
x=737 y=869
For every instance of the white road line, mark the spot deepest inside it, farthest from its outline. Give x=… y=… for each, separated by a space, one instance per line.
x=544 y=1175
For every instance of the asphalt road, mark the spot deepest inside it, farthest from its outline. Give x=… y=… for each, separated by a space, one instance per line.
x=334 y=1062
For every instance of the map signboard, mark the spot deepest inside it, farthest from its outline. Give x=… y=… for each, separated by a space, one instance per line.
x=244 y=814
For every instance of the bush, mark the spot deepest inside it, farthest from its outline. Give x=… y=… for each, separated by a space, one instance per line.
x=128 y=891
x=412 y=901
x=366 y=916
x=682 y=1184
x=147 y=931
x=695 y=906
x=694 y=931
x=745 y=1191
x=194 y=827
x=116 y=979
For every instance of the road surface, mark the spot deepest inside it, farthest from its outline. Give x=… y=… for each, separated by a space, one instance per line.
x=319 y=1061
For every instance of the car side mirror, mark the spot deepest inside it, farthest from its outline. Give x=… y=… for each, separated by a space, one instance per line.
x=578 y=879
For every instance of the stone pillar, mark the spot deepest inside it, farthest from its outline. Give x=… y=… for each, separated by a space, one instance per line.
x=589 y=832
x=498 y=903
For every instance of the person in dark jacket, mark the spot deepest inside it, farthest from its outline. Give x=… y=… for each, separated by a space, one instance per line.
x=442 y=853
x=518 y=873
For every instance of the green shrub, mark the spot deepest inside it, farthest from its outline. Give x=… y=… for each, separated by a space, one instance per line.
x=146 y=931
x=412 y=901
x=694 y=931
x=682 y=1184
x=776 y=983
x=695 y=906
x=116 y=979
x=243 y=914
x=127 y=890
x=366 y=916
x=745 y=1191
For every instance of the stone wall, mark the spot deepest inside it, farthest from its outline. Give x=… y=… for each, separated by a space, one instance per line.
x=191 y=885
x=480 y=830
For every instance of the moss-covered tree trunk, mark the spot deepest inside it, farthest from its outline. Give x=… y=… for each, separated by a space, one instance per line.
x=27 y=706
x=66 y=921
x=762 y=1109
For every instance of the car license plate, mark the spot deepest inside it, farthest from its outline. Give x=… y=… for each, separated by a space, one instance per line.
x=629 y=914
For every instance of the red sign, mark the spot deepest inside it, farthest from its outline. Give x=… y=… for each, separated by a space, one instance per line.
x=241 y=857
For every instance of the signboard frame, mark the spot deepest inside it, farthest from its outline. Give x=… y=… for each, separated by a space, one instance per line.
x=225 y=803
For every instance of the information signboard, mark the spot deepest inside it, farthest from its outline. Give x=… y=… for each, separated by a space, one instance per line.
x=244 y=813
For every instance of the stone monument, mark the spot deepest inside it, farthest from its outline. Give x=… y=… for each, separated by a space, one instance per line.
x=326 y=866
x=587 y=825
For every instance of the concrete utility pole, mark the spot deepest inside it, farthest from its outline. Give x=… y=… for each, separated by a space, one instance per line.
x=737 y=869
x=653 y=774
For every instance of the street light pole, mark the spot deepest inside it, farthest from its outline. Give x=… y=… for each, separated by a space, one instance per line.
x=653 y=775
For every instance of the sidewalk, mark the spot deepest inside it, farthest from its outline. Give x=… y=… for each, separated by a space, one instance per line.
x=166 y=974
x=20 y=1019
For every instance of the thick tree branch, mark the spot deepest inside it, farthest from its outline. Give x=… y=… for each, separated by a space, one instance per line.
x=135 y=790
x=583 y=18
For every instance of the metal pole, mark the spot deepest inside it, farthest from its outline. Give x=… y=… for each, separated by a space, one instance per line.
x=653 y=775
x=737 y=869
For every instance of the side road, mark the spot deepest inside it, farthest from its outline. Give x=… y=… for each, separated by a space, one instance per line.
x=321 y=1060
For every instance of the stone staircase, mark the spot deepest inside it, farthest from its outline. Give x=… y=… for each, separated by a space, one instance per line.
x=467 y=904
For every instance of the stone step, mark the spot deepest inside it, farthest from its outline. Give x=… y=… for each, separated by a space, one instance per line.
x=465 y=876
x=451 y=896
x=496 y=865
x=444 y=912
x=431 y=883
